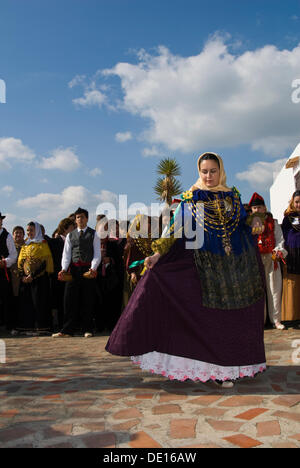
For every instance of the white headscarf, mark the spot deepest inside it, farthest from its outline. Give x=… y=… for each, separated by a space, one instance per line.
x=38 y=238
x=199 y=184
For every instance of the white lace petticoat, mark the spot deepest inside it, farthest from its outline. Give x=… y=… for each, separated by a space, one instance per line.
x=181 y=368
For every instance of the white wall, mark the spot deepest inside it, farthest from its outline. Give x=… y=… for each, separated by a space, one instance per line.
x=283 y=188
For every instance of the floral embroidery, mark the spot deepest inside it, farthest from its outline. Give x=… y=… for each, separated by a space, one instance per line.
x=188 y=195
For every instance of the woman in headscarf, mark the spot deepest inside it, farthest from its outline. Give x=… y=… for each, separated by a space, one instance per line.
x=291 y=273
x=35 y=264
x=198 y=312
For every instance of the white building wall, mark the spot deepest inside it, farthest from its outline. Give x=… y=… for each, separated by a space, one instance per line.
x=284 y=186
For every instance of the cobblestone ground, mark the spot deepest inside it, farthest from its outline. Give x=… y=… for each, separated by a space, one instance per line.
x=71 y=393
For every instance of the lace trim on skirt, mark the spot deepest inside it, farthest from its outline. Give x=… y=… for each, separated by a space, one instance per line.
x=180 y=368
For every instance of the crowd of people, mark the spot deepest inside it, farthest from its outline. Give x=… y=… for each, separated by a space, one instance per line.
x=75 y=282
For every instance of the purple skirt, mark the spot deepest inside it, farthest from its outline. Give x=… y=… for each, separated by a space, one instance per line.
x=165 y=314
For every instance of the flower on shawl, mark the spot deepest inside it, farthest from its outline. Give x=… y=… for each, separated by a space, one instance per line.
x=188 y=195
x=235 y=190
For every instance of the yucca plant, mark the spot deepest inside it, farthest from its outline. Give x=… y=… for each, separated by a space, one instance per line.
x=168 y=186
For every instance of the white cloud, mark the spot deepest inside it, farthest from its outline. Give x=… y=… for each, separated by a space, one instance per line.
x=77 y=80
x=122 y=137
x=7 y=190
x=63 y=159
x=13 y=150
x=91 y=98
x=11 y=221
x=261 y=174
x=95 y=172
x=153 y=151
x=214 y=99
x=51 y=207
x=93 y=94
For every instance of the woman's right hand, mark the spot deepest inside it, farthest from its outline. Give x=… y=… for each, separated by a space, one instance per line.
x=150 y=262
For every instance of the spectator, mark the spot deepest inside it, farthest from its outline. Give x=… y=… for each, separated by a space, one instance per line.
x=8 y=256
x=56 y=245
x=291 y=276
x=82 y=253
x=270 y=244
x=18 y=236
x=35 y=264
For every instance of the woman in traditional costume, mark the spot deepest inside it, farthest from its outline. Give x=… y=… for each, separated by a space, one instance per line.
x=35 y=263
x=199 y=313
x=291 y=273
x=142 y=231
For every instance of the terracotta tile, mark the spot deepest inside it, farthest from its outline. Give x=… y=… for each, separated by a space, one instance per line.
x=127 y=425
x=205 y=400
x=286 y=415
x=52 y=397
x=131 y=403
x=242 y=401
x=242 y=441
x=57 y=430
x=296 y=436
x=131 y=413
x=144 y=396
x=277 y=388
x=94 y=427
x=287 y=400
x=9 y=413
x=268 y=428
x=212 y=412
x=251 y=414
x=183 y=428
x=284 y=445
x=143 y=440
x=170 y=397
x=166 y=409
x=231 y=426
x=87 y=414
x=115 y=396
x=101 y=440
x=199 y=446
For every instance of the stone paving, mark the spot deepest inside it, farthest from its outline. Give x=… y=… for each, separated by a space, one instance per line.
x=71 y=393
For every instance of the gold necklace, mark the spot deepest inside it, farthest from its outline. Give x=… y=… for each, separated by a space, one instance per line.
x=218 y=218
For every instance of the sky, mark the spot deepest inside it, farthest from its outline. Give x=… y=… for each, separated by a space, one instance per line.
x=94 y=93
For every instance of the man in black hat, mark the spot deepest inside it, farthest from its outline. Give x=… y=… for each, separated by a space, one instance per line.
x=8 y=256
x=271 y=246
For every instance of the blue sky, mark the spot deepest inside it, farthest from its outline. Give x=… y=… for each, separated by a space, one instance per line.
x=98 y=91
